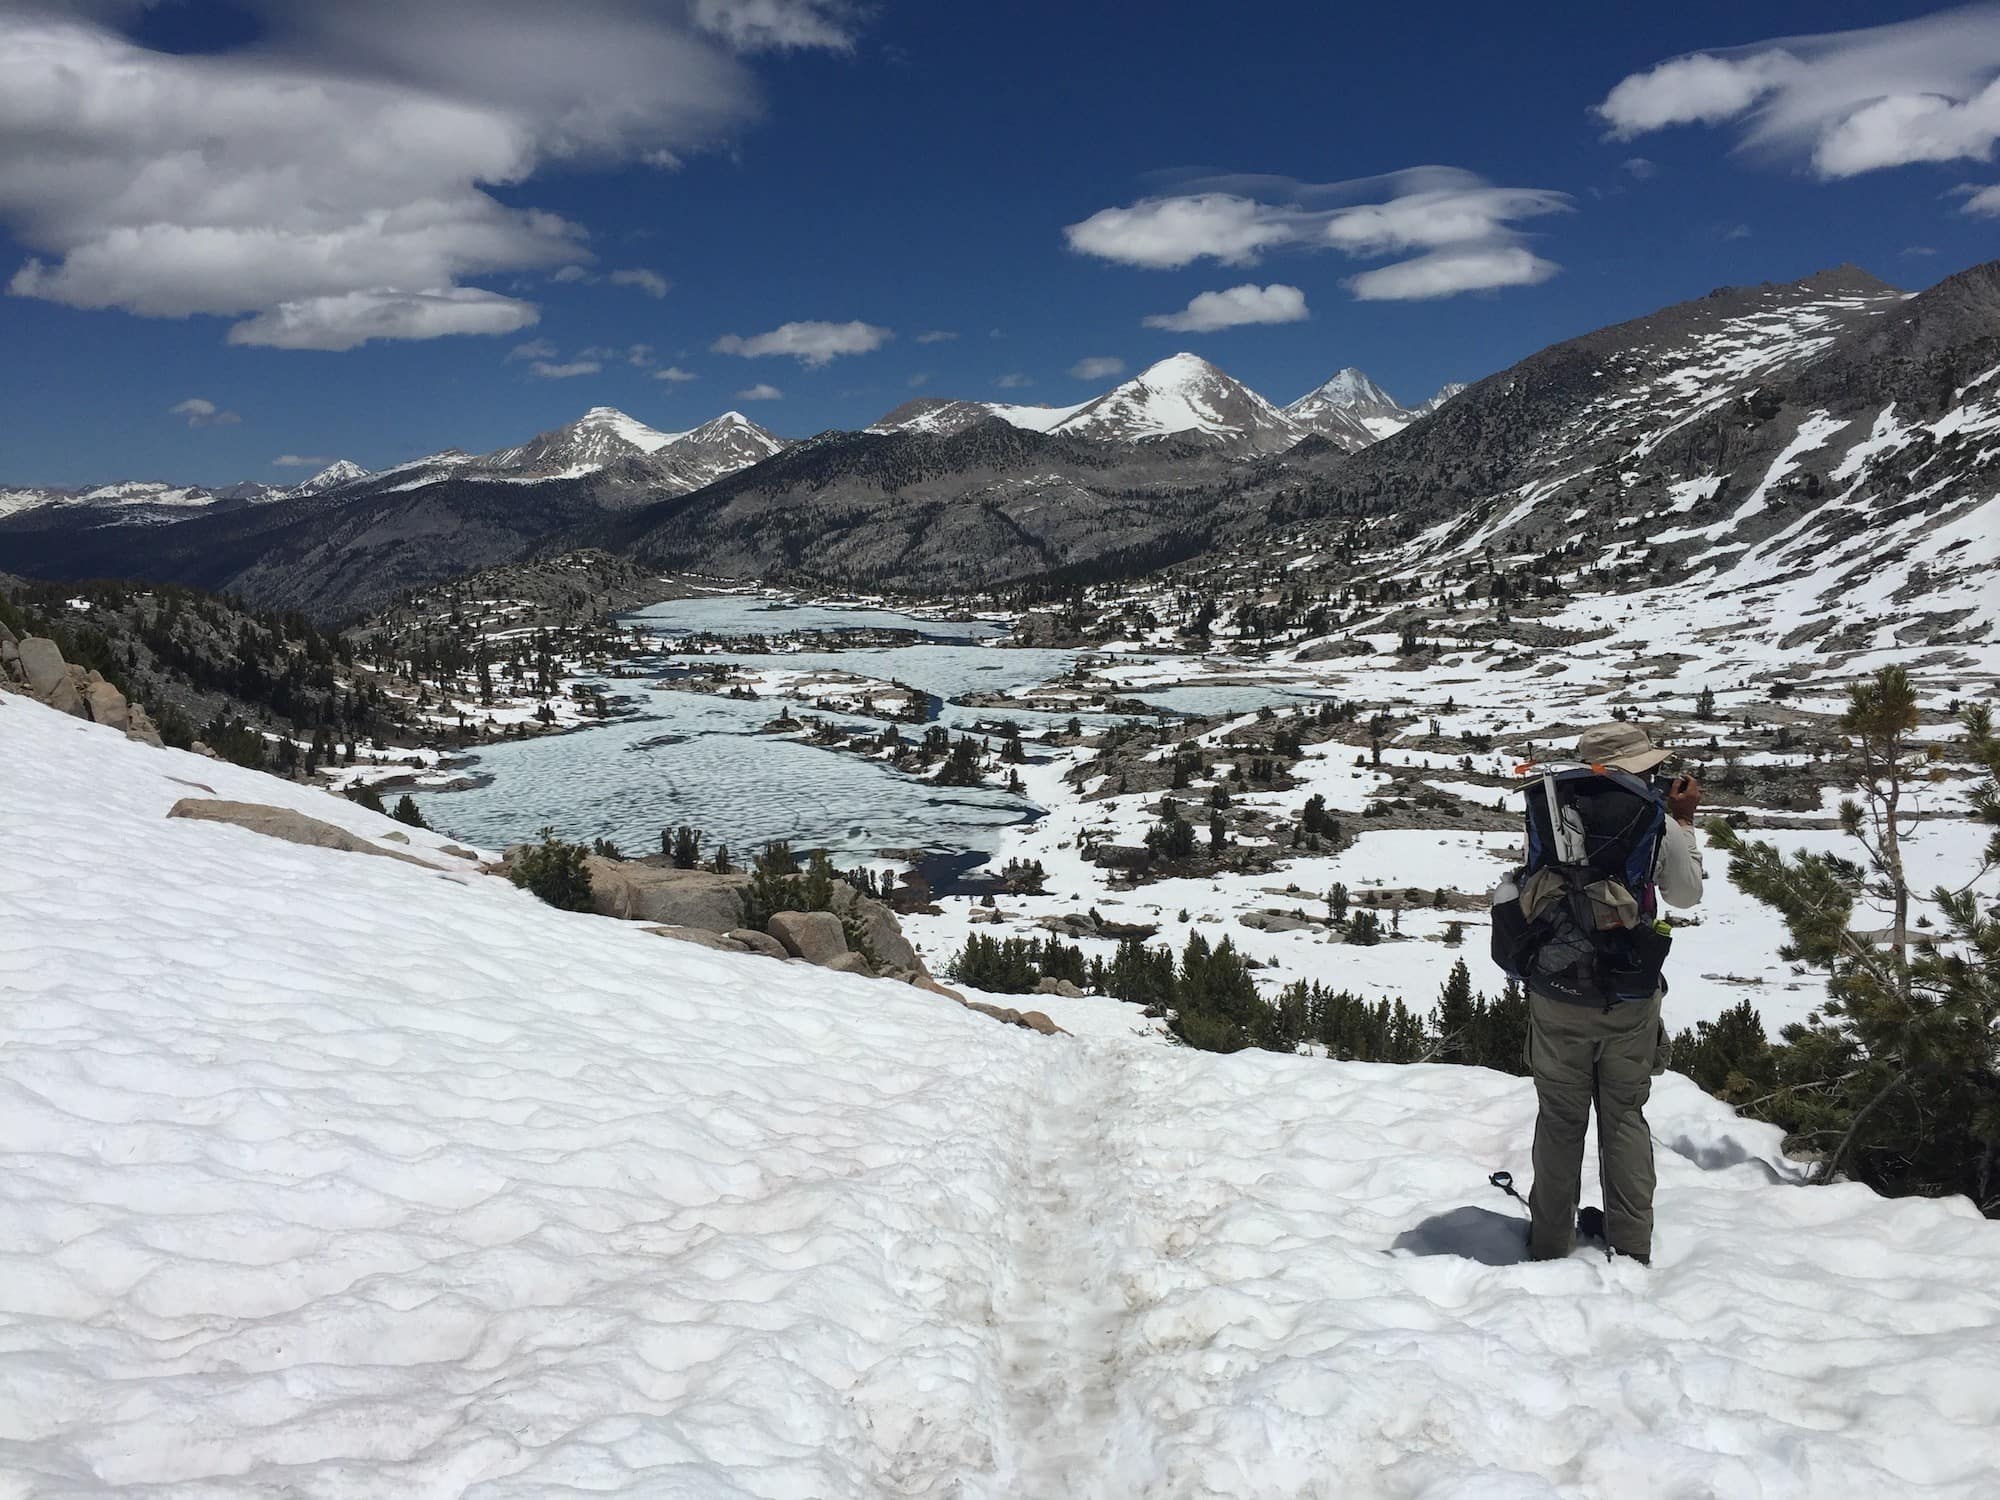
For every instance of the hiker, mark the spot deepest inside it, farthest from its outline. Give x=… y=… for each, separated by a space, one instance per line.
x=1588 y=942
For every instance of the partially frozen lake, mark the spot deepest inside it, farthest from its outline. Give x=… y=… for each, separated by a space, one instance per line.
x=692 y=758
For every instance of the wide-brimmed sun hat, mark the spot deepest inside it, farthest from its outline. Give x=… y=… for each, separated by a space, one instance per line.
x=1625 y=746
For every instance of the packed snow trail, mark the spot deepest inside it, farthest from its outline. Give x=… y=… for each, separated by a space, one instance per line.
x=1062 y=1318
x=336 y=1176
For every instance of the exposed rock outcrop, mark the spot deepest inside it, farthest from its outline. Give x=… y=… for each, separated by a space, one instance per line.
x=815 y=936
x=283 y=823
x=35 y=664
x=666 y=897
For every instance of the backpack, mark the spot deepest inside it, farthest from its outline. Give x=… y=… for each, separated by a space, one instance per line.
x=1576 y=923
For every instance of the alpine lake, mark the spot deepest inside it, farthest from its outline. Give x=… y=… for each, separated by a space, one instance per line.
x=673 y=754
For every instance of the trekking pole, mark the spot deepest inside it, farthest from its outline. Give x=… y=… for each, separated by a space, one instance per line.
x=1505 y=1182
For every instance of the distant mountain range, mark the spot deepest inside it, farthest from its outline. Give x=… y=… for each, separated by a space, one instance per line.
x=603 y=439
x=1805 y=409
x=1185 y=397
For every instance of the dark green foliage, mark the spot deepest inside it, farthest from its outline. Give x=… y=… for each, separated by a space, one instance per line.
x=176 y=729
x=554 y=870
x=367 y=797
x=1364 y=929
x=1896 y=1084
x=961 y=767
x=1017 y=966
x=1352 y=1029
x=236 y=741
x=408 y=812
x=1730 y=1056
x=1173 y=836
x=1314 y=818
x=1140 y=974
x=1217 y=1005
x=682 y=847
x=1476 y=1031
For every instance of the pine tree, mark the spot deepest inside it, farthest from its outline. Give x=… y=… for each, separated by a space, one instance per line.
x=1897 y=1085
x=408 y=813
x=1453 y=1018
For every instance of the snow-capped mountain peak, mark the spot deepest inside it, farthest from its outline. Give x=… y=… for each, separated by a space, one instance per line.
x=614 y=423
x=1354 y=390
x=1350 y=410
x=332 y=477
x=1184 y=395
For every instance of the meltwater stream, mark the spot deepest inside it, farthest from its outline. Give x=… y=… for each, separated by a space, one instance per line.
x=692 y=758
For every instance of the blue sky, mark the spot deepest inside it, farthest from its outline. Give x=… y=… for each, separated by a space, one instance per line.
x=198 y=202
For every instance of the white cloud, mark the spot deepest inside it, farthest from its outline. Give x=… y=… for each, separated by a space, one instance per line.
x=533 y=349
x=571 y=273
x=639 y=356
x=919 y=380
x=675 y=374
x=1428 y=220
x=809 y=343
x=1924 y=90
x=760 y=392
x=1701 y=89
x=1098 y=367
x=300 y=461
x=652 y=283
x=201 y=412
x=333 y=183
x=1234 y=308
x=1166 y=233
x=778 y=25
x=1238 y=220
x=1981 y=201
x=568 y=371
x=1014 y=381
x=1639 y=166
x=353 y=318
x=936 y=336
x=1447 y=272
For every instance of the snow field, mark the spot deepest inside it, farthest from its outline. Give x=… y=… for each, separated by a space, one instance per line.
x=329 y=1175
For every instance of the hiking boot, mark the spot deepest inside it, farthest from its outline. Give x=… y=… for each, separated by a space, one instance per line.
x=1644 y=1260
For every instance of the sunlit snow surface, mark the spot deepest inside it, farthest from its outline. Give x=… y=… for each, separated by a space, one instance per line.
x=334 y=1176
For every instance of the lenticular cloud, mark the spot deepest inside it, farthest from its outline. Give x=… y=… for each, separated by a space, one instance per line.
x=1846 y=102
x=1465 y=230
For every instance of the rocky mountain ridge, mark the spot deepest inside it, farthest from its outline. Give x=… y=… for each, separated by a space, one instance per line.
x=1684 y=438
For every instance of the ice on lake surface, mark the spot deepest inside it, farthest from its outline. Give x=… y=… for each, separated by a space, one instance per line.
x=693 y=758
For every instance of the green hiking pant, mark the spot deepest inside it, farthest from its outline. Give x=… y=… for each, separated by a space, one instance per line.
x=1583 y=1056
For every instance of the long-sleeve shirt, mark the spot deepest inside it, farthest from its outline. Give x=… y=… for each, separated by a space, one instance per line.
x=1677 y=867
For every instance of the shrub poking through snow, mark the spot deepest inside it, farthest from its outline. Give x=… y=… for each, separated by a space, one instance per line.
x=554 y=870
x=407 y=812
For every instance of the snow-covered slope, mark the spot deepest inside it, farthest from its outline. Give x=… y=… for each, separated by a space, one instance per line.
x=606 y=438
x=335 y=1175
x=719 y=447
x=1354 y=412
x=939 y=416
x=132 y=501
x=1184 y=396
x=1350 y=410
x=600 y=436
